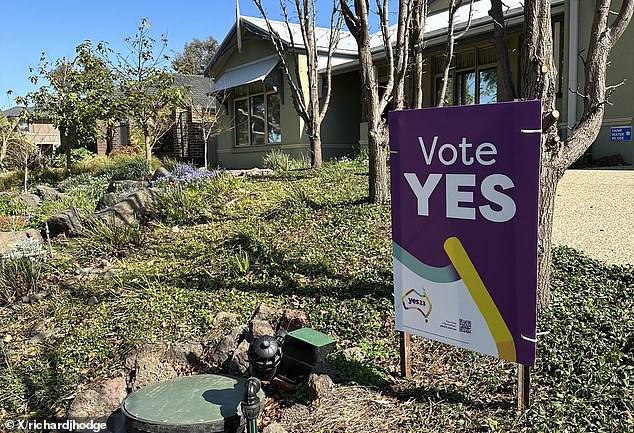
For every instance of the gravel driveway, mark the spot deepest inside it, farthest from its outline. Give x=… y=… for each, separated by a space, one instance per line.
x=594 y=213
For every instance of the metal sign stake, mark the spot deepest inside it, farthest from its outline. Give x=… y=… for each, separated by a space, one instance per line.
x=523 y=386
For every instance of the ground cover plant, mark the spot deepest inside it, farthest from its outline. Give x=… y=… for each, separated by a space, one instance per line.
x=307 y=239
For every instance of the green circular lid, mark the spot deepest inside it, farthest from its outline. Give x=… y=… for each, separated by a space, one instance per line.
x=207 y=402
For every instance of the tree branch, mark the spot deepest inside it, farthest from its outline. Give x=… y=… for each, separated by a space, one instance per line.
x=622 y=20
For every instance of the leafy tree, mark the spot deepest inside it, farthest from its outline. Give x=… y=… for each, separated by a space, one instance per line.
x=79 y=93
x=310 y=107
x=146 y=87
x=195 y=56
x=24 y=155
x=540 y=80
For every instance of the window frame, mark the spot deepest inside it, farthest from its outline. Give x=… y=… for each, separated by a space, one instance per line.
x=476 y=69
x=247 y=96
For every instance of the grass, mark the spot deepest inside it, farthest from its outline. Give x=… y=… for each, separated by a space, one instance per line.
x=307 y=239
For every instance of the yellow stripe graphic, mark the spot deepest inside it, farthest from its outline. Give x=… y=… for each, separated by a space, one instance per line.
x=500 y=332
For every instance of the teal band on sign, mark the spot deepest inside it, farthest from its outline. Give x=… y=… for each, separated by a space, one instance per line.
x=447 y=274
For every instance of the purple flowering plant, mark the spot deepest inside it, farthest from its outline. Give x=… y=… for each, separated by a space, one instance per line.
x=185 y=175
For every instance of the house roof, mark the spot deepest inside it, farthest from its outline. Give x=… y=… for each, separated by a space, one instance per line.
x=435 y=30
x=346 y=48
x=199 y=86
x=346 y=45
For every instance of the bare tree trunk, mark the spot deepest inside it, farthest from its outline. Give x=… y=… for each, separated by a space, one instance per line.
x=539 y=83
x=418 y=31
x=451 y=42
x=26 y=173
x=309 y=107
x=315 y=147
x=358 y=24
x=65 y=142
x=377 y=145
x=148 y=151
x=205 y=146
x=401 y=60
x=499 y=32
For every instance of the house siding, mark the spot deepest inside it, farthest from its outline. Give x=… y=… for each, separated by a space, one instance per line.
x=621 y=110
x=340 y=128
x=294 y=140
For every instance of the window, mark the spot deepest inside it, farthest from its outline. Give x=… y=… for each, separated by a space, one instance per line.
x=473 y=79
x=242 y=122
x=257 y=117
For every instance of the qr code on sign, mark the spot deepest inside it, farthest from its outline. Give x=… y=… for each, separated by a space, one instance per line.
x=465 y=326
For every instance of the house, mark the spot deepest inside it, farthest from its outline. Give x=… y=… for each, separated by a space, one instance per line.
x=185 y=141
x=259 y=108
x=41 y=132
x=258 y=105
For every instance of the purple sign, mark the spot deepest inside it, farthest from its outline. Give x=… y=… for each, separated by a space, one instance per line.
x=465 y=185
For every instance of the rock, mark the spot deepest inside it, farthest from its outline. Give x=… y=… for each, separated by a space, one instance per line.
x=160 y=172
x=49 y=193
x=43 y=335
x=36 y=297
x=265 y=312
x=31 y=200
x=93 y=301
x=252 y=172
x=148 y=365
x=185 y=356
x=353 y=354
x=292 y=320
x=257 y=328
x=86 y=275
x=319 y=386
x=129 y=211
x=66 y=222
x=223 y=318
x=107 y=200
x=295 y=413
x=274 y=427
x=18 y=243
x=127 y=186
x=223 y=351
x=91 y=404
x=239 y=363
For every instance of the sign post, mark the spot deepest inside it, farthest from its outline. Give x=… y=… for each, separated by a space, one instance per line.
x=465 y=187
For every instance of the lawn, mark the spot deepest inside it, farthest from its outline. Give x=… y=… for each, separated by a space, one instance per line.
x=308 y=240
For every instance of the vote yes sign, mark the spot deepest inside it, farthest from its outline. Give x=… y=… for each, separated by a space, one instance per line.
x=465 y=184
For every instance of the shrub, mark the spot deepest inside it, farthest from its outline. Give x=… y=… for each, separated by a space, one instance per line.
x=76 y=155
x=124 y=167
x=111 y=238
x=20 y=272
x=169 y=163
x=179 y=203
x=11 y=180
x=10 y=204
x=126 y=151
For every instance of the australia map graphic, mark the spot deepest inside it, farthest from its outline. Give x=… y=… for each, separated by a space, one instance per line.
x=457 y=296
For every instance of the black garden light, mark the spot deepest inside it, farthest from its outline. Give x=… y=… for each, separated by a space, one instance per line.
x=265 y=354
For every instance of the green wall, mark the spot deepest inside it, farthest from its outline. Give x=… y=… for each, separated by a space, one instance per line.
x=340 y=128
x=621 y=68
x=293 y=140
